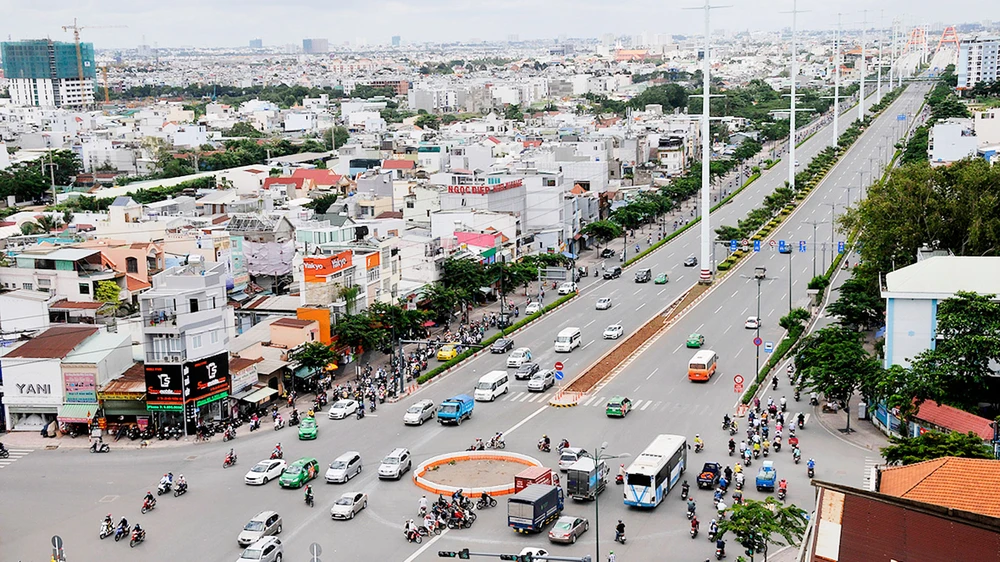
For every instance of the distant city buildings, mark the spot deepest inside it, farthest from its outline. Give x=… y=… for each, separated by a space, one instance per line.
x=256 y=43
x=977 y=61
x=395 y=40
x=47 y=73
x=315 y=46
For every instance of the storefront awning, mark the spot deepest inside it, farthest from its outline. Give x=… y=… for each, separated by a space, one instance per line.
x=244 y=393
x=260 y=395
x=77 y=413
x=113 y=408
x=239 y=297
x=305 y=373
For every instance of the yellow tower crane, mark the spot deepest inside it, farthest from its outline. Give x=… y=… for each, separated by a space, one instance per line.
x=76 y=39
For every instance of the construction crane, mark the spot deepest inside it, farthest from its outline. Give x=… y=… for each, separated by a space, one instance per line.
x=76 y=39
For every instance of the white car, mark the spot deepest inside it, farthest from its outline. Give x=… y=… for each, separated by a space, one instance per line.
x=532 y=308
x=343 y=408
x=567 y=288
x=349 y=505
x=542 y=380
x=603 y=303
x=613 y=332
x=265 y=471
x=569 y=456
x=752 y=323
x=518 y=356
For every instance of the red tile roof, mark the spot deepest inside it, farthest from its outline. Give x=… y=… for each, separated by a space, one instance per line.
x=954 y=419
x=390 y=215
x=54 y=343
x=73 y=305
x=292 y=323
x=321 y=177
x=971 y=485
x=237 y=364
x=398 y=165
x=136 y=284
x=297 y=182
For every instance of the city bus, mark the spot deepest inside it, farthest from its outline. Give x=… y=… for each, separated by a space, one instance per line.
x=702 y=365
x=655 y=471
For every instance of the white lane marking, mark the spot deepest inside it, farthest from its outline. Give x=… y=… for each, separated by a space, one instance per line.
x=637 y=388
x=640 y=306
x=675 y=351
x=661 y=292
x=720 y=308
x=637 y=292
x=738 y=353
x=646 y=405
x=589 y=323
x=588 y=343
x=654 y=372
x=427 y=544
x=525 y=420
x=635 y=405
x=515 y=397
x=736 y=292
x=589 y=400
x=526 y=396
x=727 y=329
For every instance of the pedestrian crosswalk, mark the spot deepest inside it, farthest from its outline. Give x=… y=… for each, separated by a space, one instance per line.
x=14 y=456
x=868 y=479
x=593 y=401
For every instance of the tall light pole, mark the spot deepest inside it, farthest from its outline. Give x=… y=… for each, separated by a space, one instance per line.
x=833 y=221
x=878 y=75
x=758 y=276
x=836 y=85
x=815 y=243
x=597 y=457
x=861 y=91
x=791 y=115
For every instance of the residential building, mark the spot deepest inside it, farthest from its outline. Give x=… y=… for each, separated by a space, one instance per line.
x=978 y=61
x=70 y=273
x=315 y=46
x=49 y=74
x=24 y=311
x=100 y=359
x=951 y=140
x=256 y=43
x=186 y=340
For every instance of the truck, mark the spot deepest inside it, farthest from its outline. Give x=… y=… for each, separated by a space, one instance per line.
x=456 y=409
x=534 y=475
x=585 y=479
x=766 y=477
x=534 y=507
x=709 y=475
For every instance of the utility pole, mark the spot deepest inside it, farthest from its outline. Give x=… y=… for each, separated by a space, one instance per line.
x=836 y=85
x=864 y=69
x=833 y=221
x=791 y=115
x=878 y=76
x=815 y=243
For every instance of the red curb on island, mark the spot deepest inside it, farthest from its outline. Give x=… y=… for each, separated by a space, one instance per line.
x=441 y=489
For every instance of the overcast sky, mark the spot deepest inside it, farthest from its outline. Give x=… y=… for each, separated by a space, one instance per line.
x=217 y=23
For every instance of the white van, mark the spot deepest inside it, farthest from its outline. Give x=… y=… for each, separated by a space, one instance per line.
x=568 y=339
x=492 y=384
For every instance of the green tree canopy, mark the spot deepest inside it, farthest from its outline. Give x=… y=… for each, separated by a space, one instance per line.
x=834 y=362
x=858 y=307
x=756 y=524
x=243 y=129
x=602 y=230
x=463 y=273
x=428 y=121
x=322 y=203
x=442 y=300
x=934 y=445
x=107 y=291
x=316 y=355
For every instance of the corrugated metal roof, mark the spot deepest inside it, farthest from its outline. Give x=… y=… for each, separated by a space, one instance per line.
x=54 y=343
x=293 y=323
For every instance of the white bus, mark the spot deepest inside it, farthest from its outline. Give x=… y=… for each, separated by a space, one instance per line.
x=655 y=471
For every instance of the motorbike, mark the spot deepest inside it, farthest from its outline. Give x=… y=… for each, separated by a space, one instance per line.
x=361 y=413
x=732 y=450
x=148 y=505
x=181 y=490
x=137 y=537
x=278 y=424
x=690 y=513
x=486 y=501
x=310 y=501
x=493 y=444
x=797 y=458
x=711 y=535
x=4 y=453
x=720 y=553
x=163 y=488
x=684 y=491
x=811 y=471
x=698 y=447
x=619 y=479
x=229 y=435
x=424 y=531
x=544 y=447
x=765 y=451
x=620 y=537
x=412 y=536
x=781 y=494
x=229 y=461
x=732 y=429
x=694 y=532
x=813 y=400
x=94 y=448
x=106 y=530
x=797 y=395
x=120 y=533
x=277 y=455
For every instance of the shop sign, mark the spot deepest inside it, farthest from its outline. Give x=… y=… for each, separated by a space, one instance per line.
x=164 y=407
x=164 y=384
x=317 y=269
x=373 y=260
x=211 y=399
x=36 y=389
x=484 y=189
x=80 y=388
x=124 y=396
x=206 y=377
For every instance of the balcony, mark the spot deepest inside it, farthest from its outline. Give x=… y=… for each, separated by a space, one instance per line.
x=155 y=357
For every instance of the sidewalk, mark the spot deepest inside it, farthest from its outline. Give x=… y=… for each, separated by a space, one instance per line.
x=863 y=433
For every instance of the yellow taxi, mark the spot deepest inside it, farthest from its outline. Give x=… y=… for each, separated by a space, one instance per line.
x=447 y=352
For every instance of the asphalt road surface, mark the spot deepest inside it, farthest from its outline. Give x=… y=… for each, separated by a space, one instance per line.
x=68 y=492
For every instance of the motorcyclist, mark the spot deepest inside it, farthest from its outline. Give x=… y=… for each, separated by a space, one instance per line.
x=564 y=444
x=783 y=486
x=231 y=455
x=456 y=496
x=732 y=446
x=802 y=419
x=720 y=545
x=429 y=522
x=698 y=443
x=713 y=527
x=726 y=420
x=309 y=494
x=165 y=481
x=811 y=464
x=294 y=418
x=621 y=472
x=743 y=446
x=685 y=488
x=410 y=528
x=138 y=531
x=181 y=483
x=123 y=524
x=695 y=524
x=783 y=402
x=546 y=441
x=422 y=505
x=479 y=446
x=106 y=526
x=691 y=505
x=277 y=452
x=498 y=439
x=774 y=382
x=739 y=478
x=777 y=442
x=619 y=530
x=278 y=421
x=796 y=454
x=737 y=468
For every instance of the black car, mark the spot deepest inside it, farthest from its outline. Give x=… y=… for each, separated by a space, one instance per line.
x=502 y=345
x=691 y=261
x=613 y=273
x=607 y=253
x=643 y=275
x=526 y=370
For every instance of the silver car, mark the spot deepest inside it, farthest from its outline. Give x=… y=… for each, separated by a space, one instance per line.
x=264 y=524
x=603 y=303
x=349 y=505
x=265 y=550
x=346 y=466
x=418 y=413
x=542 y=380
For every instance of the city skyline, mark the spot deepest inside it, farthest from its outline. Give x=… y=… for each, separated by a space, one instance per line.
x=228 y=24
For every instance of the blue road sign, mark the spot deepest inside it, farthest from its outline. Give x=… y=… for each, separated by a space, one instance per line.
x=781 y=246
x=768 y=346
x=732 y=245
x=559 y=375
x=757 y=341
x=901 y=117
x=756 y=245
x=840 y=247
x=802 y=245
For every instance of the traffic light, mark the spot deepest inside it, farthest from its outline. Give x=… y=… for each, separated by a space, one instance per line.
x=514 y=557
x=463 y=554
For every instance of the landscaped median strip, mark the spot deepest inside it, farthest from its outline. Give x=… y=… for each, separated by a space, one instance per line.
x=470 y=492
x=485 y=345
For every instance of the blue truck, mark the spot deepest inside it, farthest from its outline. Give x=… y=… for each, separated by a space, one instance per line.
x=456 y=409
x=534 y=507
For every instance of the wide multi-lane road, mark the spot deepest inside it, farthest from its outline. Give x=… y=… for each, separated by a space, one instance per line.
x=68 y=492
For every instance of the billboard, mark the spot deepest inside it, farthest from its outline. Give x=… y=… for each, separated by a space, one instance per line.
x=208 y=376
x=317 y=269
x=163 y=385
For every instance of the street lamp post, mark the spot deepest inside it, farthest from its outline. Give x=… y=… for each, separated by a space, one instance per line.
x=833 y=220
x=597 y=457
x=814 y=224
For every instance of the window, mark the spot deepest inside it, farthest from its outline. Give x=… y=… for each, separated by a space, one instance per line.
x=409 y=204
x=44 y=282
x=28 y=286
x=84 y=288
x=196 y=341
x=193 y=305
x=131 y=265
x=215 y=336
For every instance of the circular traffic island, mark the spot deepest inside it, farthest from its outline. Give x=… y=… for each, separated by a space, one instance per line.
x=473 y=472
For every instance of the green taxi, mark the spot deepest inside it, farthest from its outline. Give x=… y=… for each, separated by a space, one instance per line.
x=661 y=279
x=696 y=340
x=308 y=428
x=618 y=407
x=299 y=473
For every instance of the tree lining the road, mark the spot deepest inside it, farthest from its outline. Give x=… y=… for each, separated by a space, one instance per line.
x=934 y=445
x=756 y=524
